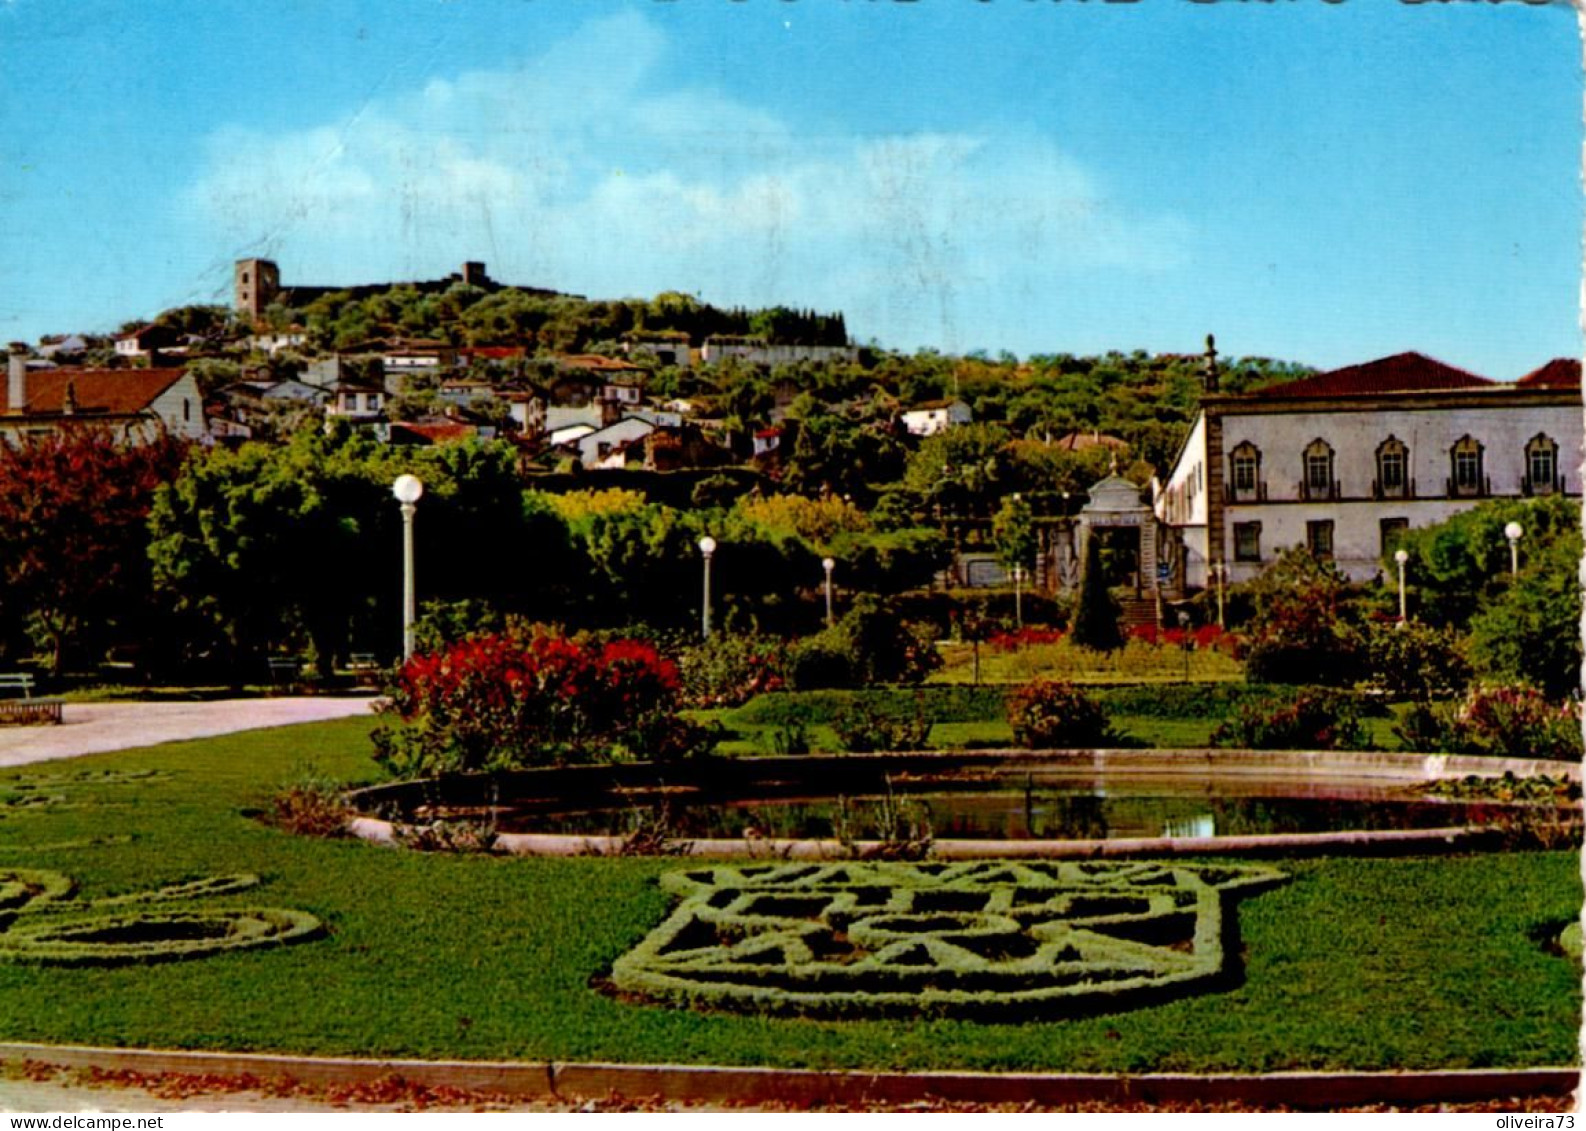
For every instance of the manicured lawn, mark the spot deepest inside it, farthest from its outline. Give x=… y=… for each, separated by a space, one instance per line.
x=1366 y=964
x=1136 y=662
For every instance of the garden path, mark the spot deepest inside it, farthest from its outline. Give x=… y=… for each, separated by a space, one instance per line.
x=94 y=728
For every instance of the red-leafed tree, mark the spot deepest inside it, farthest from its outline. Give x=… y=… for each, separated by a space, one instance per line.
x=74 y=536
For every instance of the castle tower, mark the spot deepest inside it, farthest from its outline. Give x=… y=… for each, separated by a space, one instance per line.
x=258 y=281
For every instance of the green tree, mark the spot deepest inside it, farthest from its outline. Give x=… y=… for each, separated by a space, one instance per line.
x=1304 y=626
x=1529 y=631
x=268 y=546
x=1013 y=532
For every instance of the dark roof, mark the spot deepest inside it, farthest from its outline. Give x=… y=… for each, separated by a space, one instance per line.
x=112 y=392
x=1560 y=373
x=1401 y=373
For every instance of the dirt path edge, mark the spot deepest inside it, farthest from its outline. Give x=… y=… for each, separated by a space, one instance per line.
x=801 y=1087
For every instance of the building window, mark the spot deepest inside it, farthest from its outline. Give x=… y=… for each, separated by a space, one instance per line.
x=1468 y=478
x=1393 y=531
x=1319 y=538
x=1247 y=541
x=1393 y=470
x=1245 y=472
x=1541 y=466
x=1316 y=482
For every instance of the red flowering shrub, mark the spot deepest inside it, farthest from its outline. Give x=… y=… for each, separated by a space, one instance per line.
x=1205 y=636
x=518 y=699
x=1025 y=638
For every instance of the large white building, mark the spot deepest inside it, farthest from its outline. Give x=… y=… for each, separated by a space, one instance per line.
x=1343 y=461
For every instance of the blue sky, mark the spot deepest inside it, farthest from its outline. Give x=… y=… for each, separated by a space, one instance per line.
x=1326 y=183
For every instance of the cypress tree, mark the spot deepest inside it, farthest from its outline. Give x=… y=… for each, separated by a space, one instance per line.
x=1096 y=616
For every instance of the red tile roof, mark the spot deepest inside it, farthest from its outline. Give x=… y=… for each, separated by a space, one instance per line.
x=110 y=392
x=1401 y=373
x=599 y=362
x=1560 y=373
x=1080 y=441
x=435 y=433
x=493 y=353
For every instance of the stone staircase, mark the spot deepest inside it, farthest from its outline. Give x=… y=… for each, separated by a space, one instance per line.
x=1135 y=611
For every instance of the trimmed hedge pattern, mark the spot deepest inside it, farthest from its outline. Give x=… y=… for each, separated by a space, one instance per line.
x=36 y=926
x=995 y=940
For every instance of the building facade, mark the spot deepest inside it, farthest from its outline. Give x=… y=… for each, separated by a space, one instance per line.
x=1342 y=462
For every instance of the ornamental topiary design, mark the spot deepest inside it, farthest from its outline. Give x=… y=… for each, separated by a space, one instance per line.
x=37 y=925
x=995 y=940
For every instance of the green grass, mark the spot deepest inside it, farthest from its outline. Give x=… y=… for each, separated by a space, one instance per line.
x=1358 y=964
x=1136 y=662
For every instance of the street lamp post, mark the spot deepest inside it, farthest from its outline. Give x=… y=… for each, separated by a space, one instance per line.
x=707 y=547
x=1513 y=532
x=828 y=564
x=1018 y=594
x=1402 y=556
x=1220 y=575
x=408 y=490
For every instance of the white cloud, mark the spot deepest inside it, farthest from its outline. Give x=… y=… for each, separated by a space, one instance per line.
x=576 y=172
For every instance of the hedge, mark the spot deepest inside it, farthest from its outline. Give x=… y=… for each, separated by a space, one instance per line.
x=993 y=940
x=37 y=926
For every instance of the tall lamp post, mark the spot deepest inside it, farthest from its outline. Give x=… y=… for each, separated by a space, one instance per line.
x=1513 y=532
x=1018 y=594
x=1220 y=573
x=707 y=547
x=1402 y=556
x=828 y=564
x=408 y=491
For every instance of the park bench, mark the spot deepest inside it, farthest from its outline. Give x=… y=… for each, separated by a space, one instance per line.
x=284 y=671
x=366 y=669
x=21 y=706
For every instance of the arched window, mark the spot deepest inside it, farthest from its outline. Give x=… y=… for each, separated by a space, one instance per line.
x=1244 y=472
x=1393 y=469
x=1317 y=481
x=1468 y=478
x=1541 y=466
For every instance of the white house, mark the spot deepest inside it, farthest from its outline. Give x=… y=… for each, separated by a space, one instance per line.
x=1343 y=461
x=608 y=447
x=931 y=417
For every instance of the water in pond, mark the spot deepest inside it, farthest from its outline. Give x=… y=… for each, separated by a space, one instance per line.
x=1008 y=814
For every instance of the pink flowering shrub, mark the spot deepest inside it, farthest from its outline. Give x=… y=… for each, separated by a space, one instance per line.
x=1307 y=720
x=730 y=669
x=532 y=698
x=1050 y=714
x=1513 y=721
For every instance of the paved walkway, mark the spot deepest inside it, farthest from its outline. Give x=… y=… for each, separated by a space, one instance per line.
x=93 y=728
